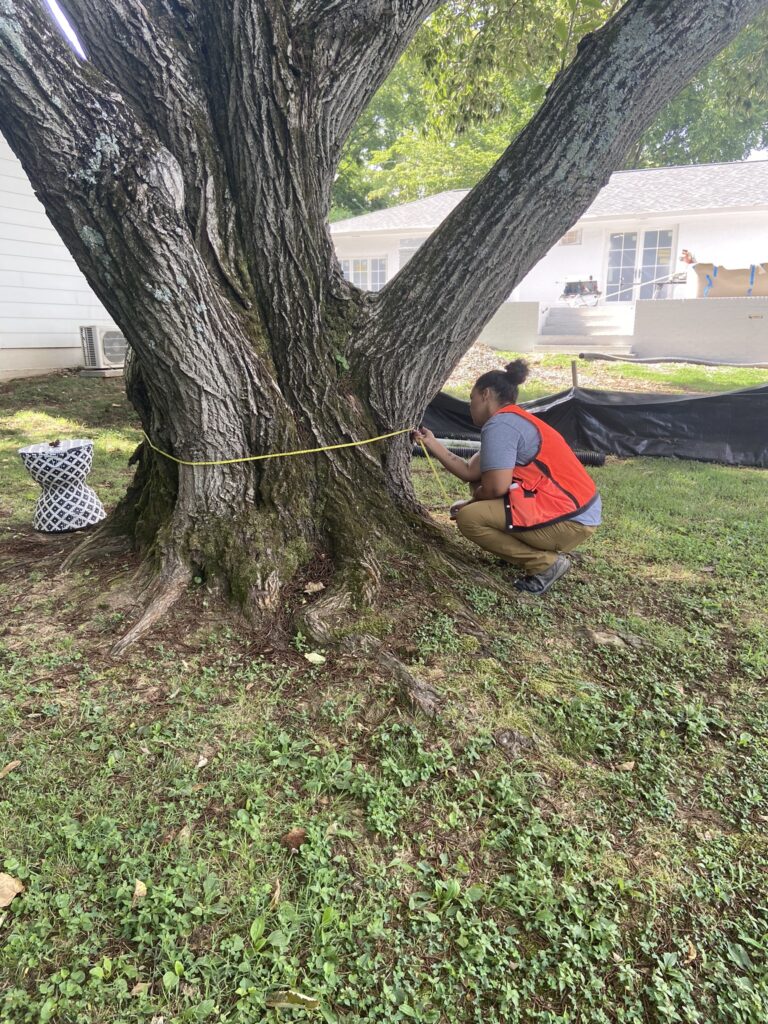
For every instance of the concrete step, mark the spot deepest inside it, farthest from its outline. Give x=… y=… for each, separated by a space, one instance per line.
x=610 y=330
x=588 y=322
x=613 y=345
x=590 y=312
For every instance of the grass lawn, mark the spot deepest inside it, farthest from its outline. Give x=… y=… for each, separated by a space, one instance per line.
x=579 y=837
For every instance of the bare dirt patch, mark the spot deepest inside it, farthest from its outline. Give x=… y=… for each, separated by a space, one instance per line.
x=480 y=358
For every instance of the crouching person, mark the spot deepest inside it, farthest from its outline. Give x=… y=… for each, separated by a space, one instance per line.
x=532 y=500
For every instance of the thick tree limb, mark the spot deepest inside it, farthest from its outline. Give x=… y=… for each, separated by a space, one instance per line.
x=117 y=197
x=349 y=47
x=148 y=51
x=621 y=77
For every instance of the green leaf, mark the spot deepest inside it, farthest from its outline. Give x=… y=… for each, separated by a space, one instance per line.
x=287 y=913
x=341 y=359
x=314 y=658
x=561 y=30
x=278 y=939
x=257 y=929
x=170 y=980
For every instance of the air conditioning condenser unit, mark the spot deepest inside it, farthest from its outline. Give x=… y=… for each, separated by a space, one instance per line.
x=104 y=351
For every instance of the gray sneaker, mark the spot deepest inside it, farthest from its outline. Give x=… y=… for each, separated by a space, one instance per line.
x=541 y=583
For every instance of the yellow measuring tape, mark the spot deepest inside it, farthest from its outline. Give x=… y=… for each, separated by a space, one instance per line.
x=301 y=451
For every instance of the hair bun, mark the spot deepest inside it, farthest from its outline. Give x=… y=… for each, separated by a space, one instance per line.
x=517 y=371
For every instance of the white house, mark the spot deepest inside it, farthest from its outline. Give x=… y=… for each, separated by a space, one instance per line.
x=629 y=241
x=43 y=296
x=631 y=236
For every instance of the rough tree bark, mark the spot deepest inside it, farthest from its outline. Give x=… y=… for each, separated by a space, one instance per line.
x=188 y=166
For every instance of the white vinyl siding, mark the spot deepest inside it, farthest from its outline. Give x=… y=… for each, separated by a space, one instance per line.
x=44 y=297
x=407 y=248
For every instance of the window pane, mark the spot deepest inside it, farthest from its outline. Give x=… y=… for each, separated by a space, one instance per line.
x=378 y=274
x=360 y=273
x=665 y=238
x=346 y=269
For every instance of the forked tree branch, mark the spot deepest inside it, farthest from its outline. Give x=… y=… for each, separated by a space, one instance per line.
x=349 y=47
x=621 y=77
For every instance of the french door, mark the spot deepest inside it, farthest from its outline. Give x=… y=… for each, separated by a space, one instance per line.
x=635 y=263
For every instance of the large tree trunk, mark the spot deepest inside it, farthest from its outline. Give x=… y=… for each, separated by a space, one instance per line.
x=188 y=166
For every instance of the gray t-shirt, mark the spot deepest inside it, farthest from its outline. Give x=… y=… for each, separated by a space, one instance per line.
x=507 y=440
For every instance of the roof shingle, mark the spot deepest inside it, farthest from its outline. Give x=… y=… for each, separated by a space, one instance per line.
x=690 y=188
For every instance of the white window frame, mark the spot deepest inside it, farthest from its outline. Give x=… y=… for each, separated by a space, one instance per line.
x=364 y=282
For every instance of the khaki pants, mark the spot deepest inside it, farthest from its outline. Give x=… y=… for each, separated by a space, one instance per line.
x=485 y=524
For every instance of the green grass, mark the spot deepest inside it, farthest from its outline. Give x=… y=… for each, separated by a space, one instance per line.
x=64 y=406
x=669 y=377
x=607 y=865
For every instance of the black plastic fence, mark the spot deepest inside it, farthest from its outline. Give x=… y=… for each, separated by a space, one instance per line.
x=731 y=428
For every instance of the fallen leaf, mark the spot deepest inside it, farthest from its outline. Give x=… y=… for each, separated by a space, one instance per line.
x=627 y=766
x=184 y=834
x=275 y=895
x=10 y=888
x=140 y=988
x=314 y=588
x=139 y=892
x=206 y=754
x=249 y=686
x=294 y=839
x=289 y=999
x=692 y=953
x=603 y=638
x=11 y=766
x=314 y=658
x=707 y=568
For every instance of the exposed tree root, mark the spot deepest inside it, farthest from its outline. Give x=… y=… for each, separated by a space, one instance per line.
x=419 y=695
x=322 y=619
x=356 y=584
x=100 y=543
x=160 y=596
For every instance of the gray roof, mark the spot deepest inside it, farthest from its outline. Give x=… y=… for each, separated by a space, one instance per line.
x=690 y=188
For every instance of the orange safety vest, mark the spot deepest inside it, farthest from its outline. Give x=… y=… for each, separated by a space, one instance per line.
x=552 y=487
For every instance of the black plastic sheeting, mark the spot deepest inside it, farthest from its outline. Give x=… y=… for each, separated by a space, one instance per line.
x=731 y=428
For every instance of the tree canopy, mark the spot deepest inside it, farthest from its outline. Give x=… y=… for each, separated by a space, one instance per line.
x=477 y=71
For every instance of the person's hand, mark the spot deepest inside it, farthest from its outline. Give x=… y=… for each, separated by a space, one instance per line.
x=454 y=510
x=422 y=436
